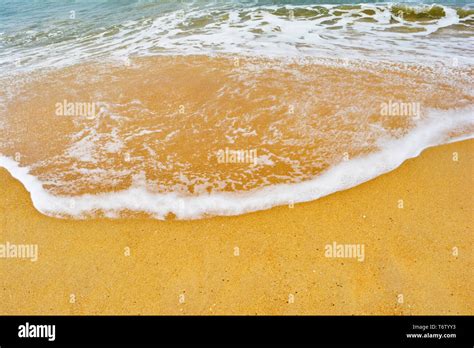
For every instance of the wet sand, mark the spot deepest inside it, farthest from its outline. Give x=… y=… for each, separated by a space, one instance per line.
x=194 y=267
x=166 y=119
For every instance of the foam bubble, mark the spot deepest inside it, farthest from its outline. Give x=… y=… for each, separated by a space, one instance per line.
x=369 y=31
x=431 y=132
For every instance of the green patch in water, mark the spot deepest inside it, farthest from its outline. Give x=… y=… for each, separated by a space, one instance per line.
x=414 y=14
x=330 y=21
x=368 y=12
x=366 y=20
x=463 y=13
x=349 y=7
x=404 y=29
x=197 y=23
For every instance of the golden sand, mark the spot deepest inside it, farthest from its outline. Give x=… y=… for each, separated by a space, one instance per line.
x=191 y=267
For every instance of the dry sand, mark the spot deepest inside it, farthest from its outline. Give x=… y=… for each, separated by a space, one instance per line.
x=190 y=267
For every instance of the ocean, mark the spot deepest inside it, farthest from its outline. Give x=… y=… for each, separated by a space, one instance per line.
x=191 y=109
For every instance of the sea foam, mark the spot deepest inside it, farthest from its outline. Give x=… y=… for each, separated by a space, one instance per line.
x=431 y=132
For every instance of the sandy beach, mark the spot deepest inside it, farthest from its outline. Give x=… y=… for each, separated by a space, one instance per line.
x=418 y=253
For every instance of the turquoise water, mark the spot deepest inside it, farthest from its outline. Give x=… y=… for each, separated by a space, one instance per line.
x=22 y=15
x=38 y=34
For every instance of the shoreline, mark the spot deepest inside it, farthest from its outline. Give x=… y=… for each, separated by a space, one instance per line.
x=264 y=262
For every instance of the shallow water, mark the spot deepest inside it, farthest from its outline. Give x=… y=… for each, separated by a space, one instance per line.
x=227 y=107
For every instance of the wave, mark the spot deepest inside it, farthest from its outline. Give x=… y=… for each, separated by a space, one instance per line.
x=143 y=132
x=393 y=31
x=434 y=131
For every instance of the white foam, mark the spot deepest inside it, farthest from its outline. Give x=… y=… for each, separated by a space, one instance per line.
x=393 y=153
x=279 y=37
